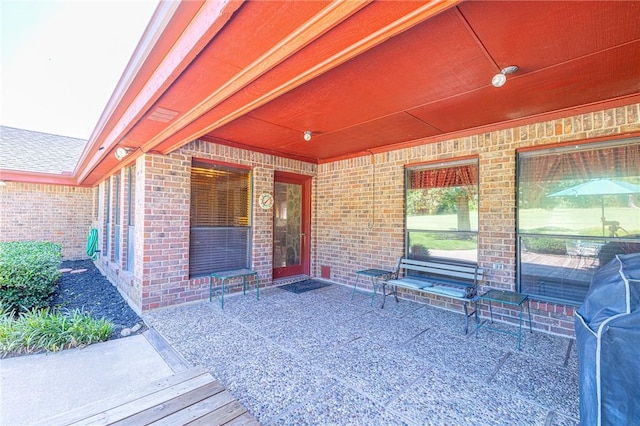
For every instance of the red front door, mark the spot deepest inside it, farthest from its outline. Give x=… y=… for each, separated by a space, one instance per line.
x=291 y=225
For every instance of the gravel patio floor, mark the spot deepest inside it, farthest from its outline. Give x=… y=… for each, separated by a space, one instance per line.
x=320 y=358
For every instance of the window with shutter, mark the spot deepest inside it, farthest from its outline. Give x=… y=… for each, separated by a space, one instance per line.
x=220 y=218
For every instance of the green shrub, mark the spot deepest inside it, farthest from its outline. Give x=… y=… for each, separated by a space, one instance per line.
x=546 y=245
x=43 y=330
x=28 y=274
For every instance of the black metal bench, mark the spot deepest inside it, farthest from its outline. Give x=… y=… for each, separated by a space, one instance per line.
x=455 y=280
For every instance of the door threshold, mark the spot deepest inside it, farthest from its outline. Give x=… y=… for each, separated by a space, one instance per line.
x=290 y=280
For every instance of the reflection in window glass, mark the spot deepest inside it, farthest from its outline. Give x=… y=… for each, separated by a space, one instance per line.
x=442 y=211
x=577 y=209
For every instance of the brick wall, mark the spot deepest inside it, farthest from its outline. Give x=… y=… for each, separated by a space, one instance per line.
x=162 y=208
x=360 y=202
x=128 y=278
x=357 y=209
x=56 y=213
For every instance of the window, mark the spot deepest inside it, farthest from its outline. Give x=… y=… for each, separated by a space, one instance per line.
x=577 y=208
x=117 y=218
x=220 y=218
x=442 y=211
x=107 y=240
x=131 y=230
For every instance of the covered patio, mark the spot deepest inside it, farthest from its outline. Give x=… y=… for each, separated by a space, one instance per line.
x=324 y=358
x=228 y=105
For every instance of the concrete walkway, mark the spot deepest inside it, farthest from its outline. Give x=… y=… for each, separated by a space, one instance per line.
x=34 y=388
x=320 y=358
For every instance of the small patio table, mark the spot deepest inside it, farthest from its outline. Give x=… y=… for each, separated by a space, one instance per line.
x=507 y=298
x=376 y=275
x=224 y=276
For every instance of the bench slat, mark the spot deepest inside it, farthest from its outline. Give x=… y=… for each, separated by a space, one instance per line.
x=447 y=276
x=446 y=291
x=434 y=264
x=439 y=280
x=440 y=264
x=441 y=273
x=408 y=283
x=445 y=270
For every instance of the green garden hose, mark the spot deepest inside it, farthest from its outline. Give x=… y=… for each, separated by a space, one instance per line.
x=92 y=244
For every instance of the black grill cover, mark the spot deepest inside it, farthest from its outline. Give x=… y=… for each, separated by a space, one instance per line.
x=608 y=341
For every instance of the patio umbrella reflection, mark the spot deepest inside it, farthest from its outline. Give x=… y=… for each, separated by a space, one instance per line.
x=600 y=187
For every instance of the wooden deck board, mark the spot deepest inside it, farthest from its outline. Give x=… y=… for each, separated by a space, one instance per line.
x=169 y=354
x=85 y=411
x=172 y=406
x=198 y=410
x=221 y=416
x=123 y=410
x=244 y=420
x=188 y=396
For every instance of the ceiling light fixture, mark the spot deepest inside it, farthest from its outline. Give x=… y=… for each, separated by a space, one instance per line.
x=122 y=152
x=500 y=79
x=307 y=135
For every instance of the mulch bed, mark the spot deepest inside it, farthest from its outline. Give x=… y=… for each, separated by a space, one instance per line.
x=83 y=287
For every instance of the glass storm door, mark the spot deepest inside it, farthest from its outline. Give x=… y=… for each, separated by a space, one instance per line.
x=291 y=225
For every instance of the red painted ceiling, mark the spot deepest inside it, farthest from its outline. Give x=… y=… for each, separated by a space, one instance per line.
x=382 y=74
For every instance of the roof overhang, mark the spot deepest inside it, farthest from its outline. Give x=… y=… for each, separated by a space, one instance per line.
x=362 y=76
x=39 y=178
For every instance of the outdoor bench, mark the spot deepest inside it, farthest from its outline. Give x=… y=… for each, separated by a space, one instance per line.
x=455 y=280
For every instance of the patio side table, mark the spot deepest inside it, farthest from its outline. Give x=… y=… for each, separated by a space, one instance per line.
x=507 y=298
x=375 y=275
x=224 y=276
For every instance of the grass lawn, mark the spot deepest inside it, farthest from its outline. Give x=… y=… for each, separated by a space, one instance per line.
x=580 y=221
x=442 y=242
x=562 y=221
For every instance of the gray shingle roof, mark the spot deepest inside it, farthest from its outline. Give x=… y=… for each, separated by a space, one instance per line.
x=30 y=151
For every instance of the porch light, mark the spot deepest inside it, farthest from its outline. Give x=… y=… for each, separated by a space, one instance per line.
x=122 y=152
x=307 y=135
x=500 y=79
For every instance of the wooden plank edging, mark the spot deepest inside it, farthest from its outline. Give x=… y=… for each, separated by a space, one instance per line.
x=91 y=409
